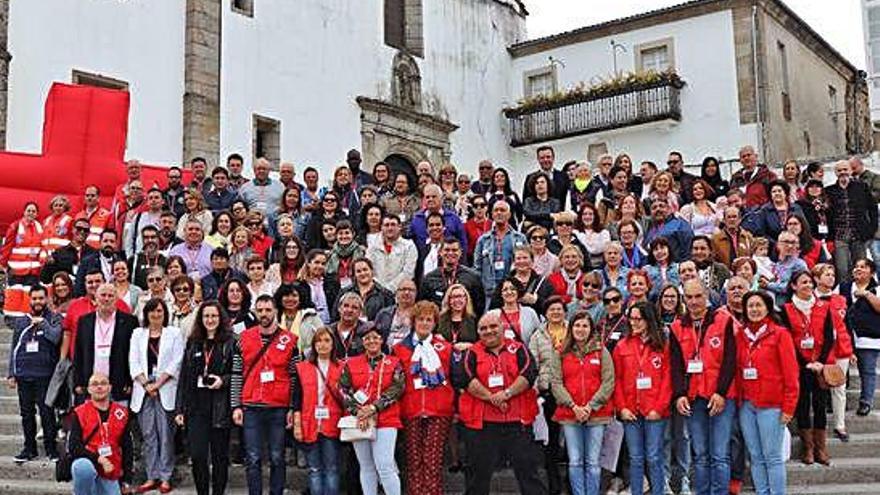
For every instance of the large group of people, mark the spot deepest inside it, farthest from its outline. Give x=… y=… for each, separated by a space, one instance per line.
x=654 y=329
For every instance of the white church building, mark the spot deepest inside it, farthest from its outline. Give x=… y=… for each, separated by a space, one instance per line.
x=444 y=80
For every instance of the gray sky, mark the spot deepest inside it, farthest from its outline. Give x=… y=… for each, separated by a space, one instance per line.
x=838 y=21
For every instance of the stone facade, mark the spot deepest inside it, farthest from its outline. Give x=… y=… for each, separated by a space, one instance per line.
x=201 y=98
x=5 y=58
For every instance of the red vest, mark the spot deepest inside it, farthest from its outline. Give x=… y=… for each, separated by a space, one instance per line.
x=22 y=247
x=98 y=221
x=634 y=359
x=308 y=379
x=109 y=433
x=367 y=379
x=773 y=356
x=803 y=329
x=427 y=402
x=843 y=346
x=275 y=392
x=57 y=231
x=710 y=352
x=582 y=379
x=522 y=408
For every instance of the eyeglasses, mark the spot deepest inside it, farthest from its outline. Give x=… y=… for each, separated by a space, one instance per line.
x=539 y=238
x=564 y=224
x=636 y=318
x=406 y=289
x=181 y=289
x=673 y=162
x=594 y=285
x=329 y=200
x=154 y=279
x=81 y=229
x=479 y=205
x=612 y=300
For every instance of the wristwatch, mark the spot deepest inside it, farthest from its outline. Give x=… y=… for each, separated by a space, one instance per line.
x=507 y=393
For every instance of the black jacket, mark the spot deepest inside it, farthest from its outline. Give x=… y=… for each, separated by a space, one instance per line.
x=379 y=297
x=87 y=264
x=84 y=355
x=64 y=260
x=190 y=398
x=560 y=186
x=433 y=287
x=857 y=198
x=138 y=268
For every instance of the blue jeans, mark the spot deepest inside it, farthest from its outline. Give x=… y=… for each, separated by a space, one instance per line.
x=677 y=451
x=710 y=437
x=87 y=482
x=323 y=459
x=376 y=458
x=763 y=432
x=867 y=363
x=875 y=253
x=583 y=442
x=263 y=424
x=644 y=439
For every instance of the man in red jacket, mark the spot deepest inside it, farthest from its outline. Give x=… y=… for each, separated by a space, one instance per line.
x=497 y=407
x=703 y=370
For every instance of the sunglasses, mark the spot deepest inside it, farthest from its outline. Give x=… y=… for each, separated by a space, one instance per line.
x=154 y=279
x=181 y=289
x=479 y=205
x=539 y=238
x=593 y=285
x=564 y=224
x=612 y=300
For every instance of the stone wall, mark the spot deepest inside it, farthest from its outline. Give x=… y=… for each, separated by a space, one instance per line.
x=201 y=97
x=5 y=58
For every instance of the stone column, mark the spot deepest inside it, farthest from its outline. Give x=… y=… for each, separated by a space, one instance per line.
x=5 y=58
x=201 y=97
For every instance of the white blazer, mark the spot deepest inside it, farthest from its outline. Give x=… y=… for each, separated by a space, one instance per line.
x=171 y=347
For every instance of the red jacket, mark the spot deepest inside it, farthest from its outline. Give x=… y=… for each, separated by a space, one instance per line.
x=632 y=360
x=480 y=364
x=773 y=357
x=714 y=348
x=89 y=419
x=560 y=286
x=426 y=402
x=261 y=243
x=813 y=336
x=22 y=248
x=474 y=230
x=582 y=379
x=257 y=388
x=98 y=221
x=367 y=379
x=308 y=380
x=843 y=345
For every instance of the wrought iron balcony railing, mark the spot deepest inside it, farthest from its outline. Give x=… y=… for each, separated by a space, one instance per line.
x=574 y=116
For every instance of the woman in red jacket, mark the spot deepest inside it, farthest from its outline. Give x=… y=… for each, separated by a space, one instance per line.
x=826 y=281
x=810 y=248
x=643 y=393
x=427 y=403
x=768 y=383
x=317 y=408
x=372 y=385
x=812 y=329
x=583 y=384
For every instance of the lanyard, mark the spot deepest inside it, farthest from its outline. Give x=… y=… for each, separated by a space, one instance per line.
x=208 y=354
x=644 y=350
x=103 y=330
x=753 y=339
x=153 y=349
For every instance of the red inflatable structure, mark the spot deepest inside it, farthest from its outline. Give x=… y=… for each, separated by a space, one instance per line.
x=84 y=134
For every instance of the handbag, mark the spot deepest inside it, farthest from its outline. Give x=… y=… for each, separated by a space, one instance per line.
x=831 y=376
x=63 y=465
x=348 y=425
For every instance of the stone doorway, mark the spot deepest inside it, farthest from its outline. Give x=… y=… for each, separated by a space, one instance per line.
x=401 y=164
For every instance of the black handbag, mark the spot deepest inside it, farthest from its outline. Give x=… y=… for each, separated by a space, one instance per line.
x=65 y=461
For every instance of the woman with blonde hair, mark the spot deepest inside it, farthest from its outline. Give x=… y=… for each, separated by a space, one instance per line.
x=195 y=210
x=661 y=187
x=240 y=248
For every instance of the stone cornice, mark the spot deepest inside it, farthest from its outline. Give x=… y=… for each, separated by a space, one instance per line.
x=422 y=119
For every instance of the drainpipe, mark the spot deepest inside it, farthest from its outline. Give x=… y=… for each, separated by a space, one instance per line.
x=759 y=112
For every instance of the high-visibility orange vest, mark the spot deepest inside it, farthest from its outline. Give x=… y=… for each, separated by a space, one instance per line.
x=57 y=232
x=21 y=255
x=98 y=221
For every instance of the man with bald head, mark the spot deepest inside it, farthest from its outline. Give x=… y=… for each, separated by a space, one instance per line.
x=262 y=193
x=493 y=254
x=498 y=406
x=753 y=178
x=101 y=345
x=433 y=198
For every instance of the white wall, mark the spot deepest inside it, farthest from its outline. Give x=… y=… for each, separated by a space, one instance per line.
x=137 y=41
x=305 y=62
x=705 y=59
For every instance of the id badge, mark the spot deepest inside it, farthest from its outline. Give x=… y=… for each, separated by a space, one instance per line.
x=750 y=373
x=103 y=352
x=643 y=383
x=267 y=376
x=823 y=229
x=105 y=451
x=281 y=347
x=322 y=413
x=499 y=265
x=496 y=380
x=32 y=346
x=417 y=384
x=614 y=336
x=807 y=343
x=361 y=397
x=238 y=328
x=509 y=334
x=695 y=366
x=200 y=382
x=402 y=217
x=595 y=361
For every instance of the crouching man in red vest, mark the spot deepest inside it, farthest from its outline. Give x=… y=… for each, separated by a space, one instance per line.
x=100 y=443
x=497 y=406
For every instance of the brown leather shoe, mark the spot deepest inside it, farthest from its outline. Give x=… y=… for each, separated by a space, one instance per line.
x=820 y=446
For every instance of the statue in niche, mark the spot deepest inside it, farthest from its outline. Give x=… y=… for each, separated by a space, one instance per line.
x=406 y=82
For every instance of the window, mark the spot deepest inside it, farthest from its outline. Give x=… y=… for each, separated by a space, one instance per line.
x=540 y=82
x=267 y=139
x=97 y=80
x=657 y=56
x=783 y=68
x=243 y=7
x=403 y=26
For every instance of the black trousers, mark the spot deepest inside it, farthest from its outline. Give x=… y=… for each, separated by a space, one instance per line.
x=552 y=452
x=503 y=441
x=208 y=443
x=31 y=396
x=812 y=403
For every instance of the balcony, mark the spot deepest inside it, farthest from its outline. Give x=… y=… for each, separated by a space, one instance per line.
x=580 y=112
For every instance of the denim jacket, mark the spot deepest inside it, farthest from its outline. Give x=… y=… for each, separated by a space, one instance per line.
x=486 y=252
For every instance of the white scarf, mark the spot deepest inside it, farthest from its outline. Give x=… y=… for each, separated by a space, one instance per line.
x=425 y=362
x=804 y=305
